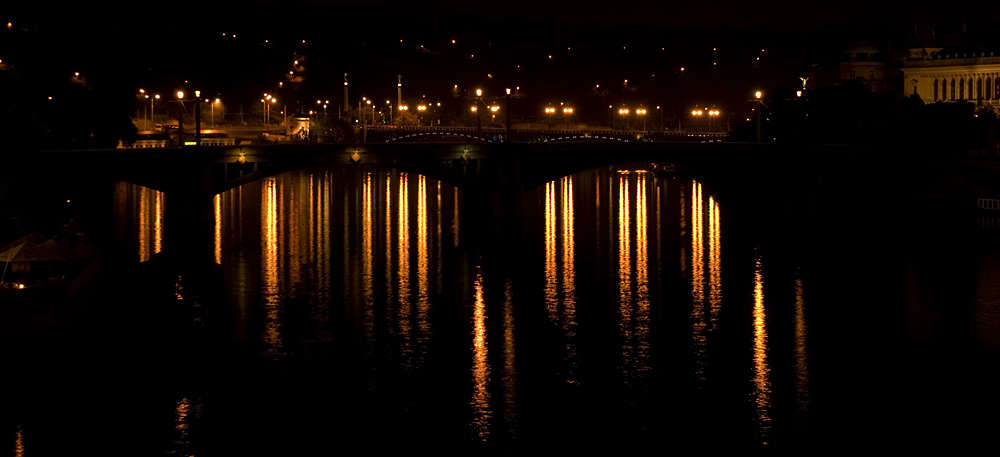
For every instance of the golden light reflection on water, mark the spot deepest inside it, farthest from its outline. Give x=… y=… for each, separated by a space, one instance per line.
x=801 y=353
x=151 y=208
x=423 y=273
x=367 y=258
x=761 y=370
x=19 y=443
x=158 y=222
x=403 y=269
x=714 y=263
x=560 y=267
x=481 y=412
x=706 y=305
x=625 y=274
x=217 y=205
x=509 y=368
x=270 y=265
x=569 y=278
x=641 y=274
x=293 y=221
x=551 y=286
x=182 y=425
x=145 y=249
x=698 y=323
x=633 y=281
x=388 y=232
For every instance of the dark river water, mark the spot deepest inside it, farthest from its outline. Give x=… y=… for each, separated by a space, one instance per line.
x=360 y=310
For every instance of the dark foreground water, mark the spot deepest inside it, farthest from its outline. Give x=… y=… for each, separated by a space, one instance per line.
x=358 y=311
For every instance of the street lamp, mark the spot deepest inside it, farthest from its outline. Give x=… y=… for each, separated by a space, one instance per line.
x=642 y=112
x=479 y=99
x=151 y=118
x=712 y=113
x=213 y=110
x=624 y=113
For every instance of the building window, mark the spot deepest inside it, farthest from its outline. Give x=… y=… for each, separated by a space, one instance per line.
x=996 y=89
x=971 y=95
x=935 y=90
x=979 y=88
x=871 y=74
x=989 y=87
x=961 y=89
x=852 y=74
x=953 y=89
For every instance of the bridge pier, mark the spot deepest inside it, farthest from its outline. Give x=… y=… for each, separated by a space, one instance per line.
x=508 y=193
x=190 y=224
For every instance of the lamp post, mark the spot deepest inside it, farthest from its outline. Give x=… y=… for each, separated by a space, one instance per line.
x=213 y=111
x=197 y=118
x=151 y=118
x=642 y=112
x=180 y=118
x=493 y=114
x=142 y=93
x=387 y=102
x=624 y=113
x=479 y=99
x=757 y=95
x=507 y=109
x=420 y=110
x=567 y=112
x=711 y=114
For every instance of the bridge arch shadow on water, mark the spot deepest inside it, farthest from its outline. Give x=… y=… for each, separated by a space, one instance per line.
x=493 y=176
x=194 y=175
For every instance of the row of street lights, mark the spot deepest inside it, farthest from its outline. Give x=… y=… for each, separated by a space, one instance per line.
x=624 y=112
x=180 y=97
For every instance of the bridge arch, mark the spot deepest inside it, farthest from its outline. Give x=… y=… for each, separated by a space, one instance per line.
x=426 y=137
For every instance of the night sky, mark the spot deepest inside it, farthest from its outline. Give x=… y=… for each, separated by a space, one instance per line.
x=555 y=51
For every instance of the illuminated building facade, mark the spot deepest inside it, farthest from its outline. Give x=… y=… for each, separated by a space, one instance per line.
x=864 y=63
x=935 y=74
